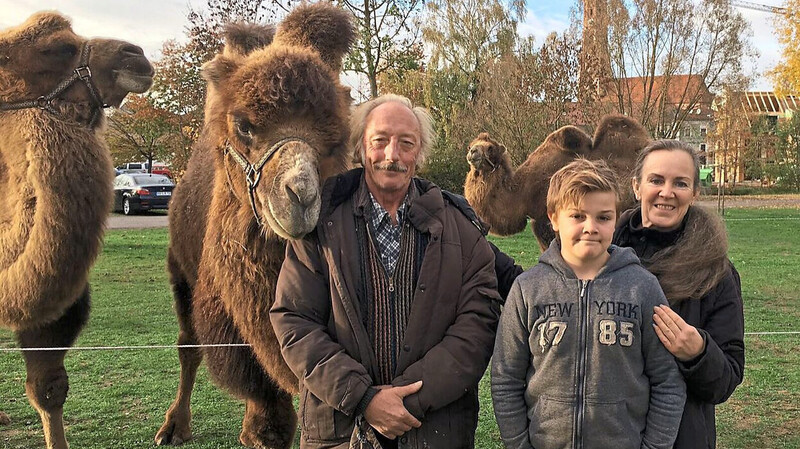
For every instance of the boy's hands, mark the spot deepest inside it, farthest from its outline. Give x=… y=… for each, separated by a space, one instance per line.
x=386 y=412
x=681 y=339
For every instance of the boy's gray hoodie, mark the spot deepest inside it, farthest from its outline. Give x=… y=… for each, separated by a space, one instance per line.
x=577 y=364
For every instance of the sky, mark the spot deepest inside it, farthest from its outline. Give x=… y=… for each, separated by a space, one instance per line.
x=148 y=23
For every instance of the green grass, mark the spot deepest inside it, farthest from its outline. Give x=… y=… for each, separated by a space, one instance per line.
x=118 y=399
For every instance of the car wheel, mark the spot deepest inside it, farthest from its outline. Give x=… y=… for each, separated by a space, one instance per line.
x=127 y=209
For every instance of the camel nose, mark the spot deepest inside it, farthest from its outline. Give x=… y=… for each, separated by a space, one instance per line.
x=300 y=195
x=301 y=190
x=132 y=50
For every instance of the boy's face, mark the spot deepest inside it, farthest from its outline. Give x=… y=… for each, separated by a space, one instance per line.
x=586 y=230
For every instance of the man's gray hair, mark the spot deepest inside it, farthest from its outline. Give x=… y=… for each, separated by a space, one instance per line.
x=358 y=124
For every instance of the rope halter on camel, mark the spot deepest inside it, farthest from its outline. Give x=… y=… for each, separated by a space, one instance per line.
x=252 y=172
x=485 y=159
x=81 y=73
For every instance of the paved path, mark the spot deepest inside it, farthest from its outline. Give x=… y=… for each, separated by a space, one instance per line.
x=159 y=220
x=791 y=201
x=119 y=221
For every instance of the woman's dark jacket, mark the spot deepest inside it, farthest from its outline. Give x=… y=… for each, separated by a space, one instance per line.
x=712 y=377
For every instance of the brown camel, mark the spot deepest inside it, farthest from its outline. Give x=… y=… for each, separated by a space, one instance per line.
x=280 y=106
x=505 y=198
x=55 y=174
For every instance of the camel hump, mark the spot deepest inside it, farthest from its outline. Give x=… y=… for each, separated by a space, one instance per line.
x=243 y=38
x=570 y=139
x=619 y=135
x=321 y=26
x=38 y=24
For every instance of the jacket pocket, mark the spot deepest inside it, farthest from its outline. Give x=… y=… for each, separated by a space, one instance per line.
x=317 y=419
x=611 y=424
x=550 y=422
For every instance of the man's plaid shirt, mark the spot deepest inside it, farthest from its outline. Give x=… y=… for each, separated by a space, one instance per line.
x=388 y=234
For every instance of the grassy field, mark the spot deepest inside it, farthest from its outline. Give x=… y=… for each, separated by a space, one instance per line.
x=118 y=398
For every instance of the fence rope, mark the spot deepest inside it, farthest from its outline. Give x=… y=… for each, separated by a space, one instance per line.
x=229 y=345
x=763 y=219
x=126 y=348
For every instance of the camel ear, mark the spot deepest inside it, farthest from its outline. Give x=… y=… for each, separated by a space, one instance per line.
x=218 y=69
x=321 y=26
x=241 y=39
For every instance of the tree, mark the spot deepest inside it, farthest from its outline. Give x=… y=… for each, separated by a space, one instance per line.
x=139 y=132
x=730 y=136
x=466 y=34
x=786 y=167
x=178 y=87
x=387 y=38
x=786 y=74
x=523 y=96
x=667 y=55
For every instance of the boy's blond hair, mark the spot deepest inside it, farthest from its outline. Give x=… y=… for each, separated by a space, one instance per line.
x=573 y=181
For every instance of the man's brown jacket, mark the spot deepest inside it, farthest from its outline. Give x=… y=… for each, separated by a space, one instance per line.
x=448 y=340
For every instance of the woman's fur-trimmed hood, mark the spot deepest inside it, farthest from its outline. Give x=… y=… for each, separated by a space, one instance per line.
x=696 y=262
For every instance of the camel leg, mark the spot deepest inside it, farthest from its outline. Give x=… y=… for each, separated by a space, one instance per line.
x=177 y=422
x=269 y=423
x=270 y=419
x=543 y=232
x=47 y=383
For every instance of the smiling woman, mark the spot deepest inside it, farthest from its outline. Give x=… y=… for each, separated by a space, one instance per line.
x=686 y=248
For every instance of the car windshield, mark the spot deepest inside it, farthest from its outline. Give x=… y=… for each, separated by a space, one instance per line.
x=151 y=179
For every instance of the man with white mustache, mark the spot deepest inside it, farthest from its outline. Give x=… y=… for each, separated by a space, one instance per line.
x=387 y=312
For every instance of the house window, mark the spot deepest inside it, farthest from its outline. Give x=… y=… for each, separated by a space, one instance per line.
x=687 y=132
x=703 y=159
x=702 y=148
x=702 y=132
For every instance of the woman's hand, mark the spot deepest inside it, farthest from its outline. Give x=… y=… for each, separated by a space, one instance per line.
x=680 y=339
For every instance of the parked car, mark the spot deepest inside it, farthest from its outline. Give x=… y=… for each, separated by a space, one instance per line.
x=135 y=192
x=159 y=169
x=132 y=167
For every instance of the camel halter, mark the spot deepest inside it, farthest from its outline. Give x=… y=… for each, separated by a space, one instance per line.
x=485 y=159
x=252 y=172
x=81 y=73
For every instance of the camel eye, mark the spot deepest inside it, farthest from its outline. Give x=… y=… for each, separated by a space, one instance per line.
x=65 y=51
x=245 y=130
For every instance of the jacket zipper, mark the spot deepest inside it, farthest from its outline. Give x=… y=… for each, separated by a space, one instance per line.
x=580 y=371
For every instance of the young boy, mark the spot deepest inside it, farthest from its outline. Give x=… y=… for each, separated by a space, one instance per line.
x=577 y=363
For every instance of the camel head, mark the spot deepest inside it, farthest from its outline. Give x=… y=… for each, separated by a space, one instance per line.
x=39 y=55
x=280 y=115
x=486 y=154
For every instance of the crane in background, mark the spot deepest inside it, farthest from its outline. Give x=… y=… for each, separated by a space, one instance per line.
x=758 y=7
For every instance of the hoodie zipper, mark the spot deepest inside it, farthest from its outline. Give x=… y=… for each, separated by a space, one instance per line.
x=580 y=369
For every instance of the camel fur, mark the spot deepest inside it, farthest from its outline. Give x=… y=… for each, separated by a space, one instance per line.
x=56 y=177
x=505 y=198
x=224 y=266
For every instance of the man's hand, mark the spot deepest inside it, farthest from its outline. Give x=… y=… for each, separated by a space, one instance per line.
x=386 y=412
x=679 y=337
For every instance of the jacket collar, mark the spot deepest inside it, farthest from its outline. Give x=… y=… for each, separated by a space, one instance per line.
x=620 y=257
x=424 y=213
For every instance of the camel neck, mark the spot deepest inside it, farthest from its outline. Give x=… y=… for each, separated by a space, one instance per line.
x=52 y=171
